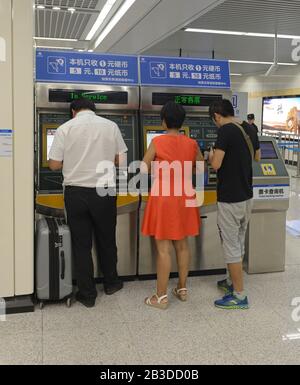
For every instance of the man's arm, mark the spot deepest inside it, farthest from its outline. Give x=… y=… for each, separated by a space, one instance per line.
x=257 y=157
x=56 y=154
x=216 y=159
x=216 y=156
x=121 y=160
x=121 y=149
x=55 y=165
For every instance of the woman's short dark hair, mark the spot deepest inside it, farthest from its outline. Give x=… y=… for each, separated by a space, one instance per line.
x=173 y=114
x=83 y=104
x=222 y=107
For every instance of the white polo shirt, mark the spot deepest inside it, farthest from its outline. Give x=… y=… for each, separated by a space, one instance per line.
x=84 y=142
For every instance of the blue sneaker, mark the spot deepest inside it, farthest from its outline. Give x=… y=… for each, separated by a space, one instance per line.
x=223 y=285
x=231 y=302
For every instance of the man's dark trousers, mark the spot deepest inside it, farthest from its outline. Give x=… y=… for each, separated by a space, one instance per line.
x=88 y=214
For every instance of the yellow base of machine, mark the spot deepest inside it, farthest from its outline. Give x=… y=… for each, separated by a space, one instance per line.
x=56 y=201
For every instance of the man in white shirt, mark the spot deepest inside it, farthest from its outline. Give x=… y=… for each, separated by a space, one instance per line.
x=79 y=146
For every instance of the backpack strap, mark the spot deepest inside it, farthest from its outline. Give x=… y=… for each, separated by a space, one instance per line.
x=247 y=139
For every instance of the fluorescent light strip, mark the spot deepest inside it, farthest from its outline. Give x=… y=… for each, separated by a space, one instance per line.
x=54 y=39
x=237 y=33
x=63 y=48
x=118 y=16
x=261 y=62
x=102 y=16
x=55 y=8
x=236 y=74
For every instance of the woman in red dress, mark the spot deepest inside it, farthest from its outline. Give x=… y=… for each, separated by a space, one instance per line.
x=171 y=215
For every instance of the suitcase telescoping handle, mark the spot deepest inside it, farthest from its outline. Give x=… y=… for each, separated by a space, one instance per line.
x=63 y=265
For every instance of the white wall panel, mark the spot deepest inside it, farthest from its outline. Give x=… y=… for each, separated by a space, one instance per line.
x=6 y=163
x=24 y=145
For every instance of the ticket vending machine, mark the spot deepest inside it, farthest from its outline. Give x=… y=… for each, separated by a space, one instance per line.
x=117 y=103
x=266 y=239
x=206 y=249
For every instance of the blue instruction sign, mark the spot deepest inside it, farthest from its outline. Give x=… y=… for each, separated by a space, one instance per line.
x=184 y=72
x=92 y=68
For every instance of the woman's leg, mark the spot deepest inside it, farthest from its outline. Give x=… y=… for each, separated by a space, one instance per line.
x=183 y=261
x=163 y=266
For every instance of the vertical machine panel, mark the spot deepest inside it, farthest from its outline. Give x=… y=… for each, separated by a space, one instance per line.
x=23 y=145
x=118 y=104
x=206 y=249
x=6 y=155
x=266 y=240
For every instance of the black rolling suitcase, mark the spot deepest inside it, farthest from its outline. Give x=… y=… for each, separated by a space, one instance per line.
x=53 y=261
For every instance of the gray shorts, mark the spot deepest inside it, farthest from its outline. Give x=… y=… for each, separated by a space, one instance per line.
x=233 y=219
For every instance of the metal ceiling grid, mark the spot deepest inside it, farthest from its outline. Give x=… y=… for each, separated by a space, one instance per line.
x=253 y=16
x=62 y=23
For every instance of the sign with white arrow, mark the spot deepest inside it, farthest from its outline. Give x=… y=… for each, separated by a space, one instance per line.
x=2 y=50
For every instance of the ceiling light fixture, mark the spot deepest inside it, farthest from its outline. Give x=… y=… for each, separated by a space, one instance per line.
x=49 y=47
x=40 y=7
x=261 y=62
x=56 y=8
x=238 y=33
x=118 y=16
x=102 y=16
x=72 y=10
x=53 y=38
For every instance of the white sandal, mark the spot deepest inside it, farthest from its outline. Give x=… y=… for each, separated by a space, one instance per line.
x=181 y=294
x=159 y=305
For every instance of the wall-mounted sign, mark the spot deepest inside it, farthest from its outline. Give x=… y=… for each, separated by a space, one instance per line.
x=2 y=50
x=240 y=104
x=184 y=72
x=6 y=143
x=91 y=68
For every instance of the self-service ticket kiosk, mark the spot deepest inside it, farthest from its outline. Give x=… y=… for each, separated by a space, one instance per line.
x=206 y=249
x=266 y=240
x=117 y=103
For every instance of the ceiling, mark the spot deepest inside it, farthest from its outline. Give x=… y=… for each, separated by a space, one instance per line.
x=64 y=24
x=135 y=33
x=254 y=16
x=73 y=20
x=263 y=16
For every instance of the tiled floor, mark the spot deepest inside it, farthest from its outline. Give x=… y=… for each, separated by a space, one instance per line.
x=121 y=330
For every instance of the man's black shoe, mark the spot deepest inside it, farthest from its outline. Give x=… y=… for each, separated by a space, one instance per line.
x=113 y=288
x=87 y=302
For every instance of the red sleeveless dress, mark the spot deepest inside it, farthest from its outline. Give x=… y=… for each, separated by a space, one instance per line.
x=171 y=212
